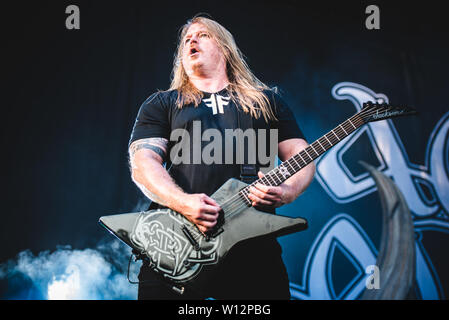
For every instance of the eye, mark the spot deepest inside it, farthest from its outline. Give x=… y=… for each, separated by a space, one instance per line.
x=204 y=35
x=187 y=40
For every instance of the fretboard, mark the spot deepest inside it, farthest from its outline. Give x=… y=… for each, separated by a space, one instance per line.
x=300 y=160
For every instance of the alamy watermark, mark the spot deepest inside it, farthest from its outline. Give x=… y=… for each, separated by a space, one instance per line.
x=73 y=20
x=373 y=280
x=372 y=22
x=228 y=148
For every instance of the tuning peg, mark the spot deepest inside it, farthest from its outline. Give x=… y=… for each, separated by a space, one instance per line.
x=367 y=104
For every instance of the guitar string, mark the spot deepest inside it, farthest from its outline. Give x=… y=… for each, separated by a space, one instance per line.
x=238 y=202
x=348 y=125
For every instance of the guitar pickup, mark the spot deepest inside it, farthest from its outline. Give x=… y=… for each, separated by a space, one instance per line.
x=191 y=239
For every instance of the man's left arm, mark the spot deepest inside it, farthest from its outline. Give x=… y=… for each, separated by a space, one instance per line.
x=290 y=189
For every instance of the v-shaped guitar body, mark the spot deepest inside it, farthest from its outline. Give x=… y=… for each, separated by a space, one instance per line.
x=250 y=222
x=179 y=251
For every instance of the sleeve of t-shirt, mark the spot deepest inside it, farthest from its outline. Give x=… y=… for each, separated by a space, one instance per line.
x=152 y=120
x=287 y=126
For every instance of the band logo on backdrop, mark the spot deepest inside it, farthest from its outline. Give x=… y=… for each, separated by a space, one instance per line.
x=425 y=188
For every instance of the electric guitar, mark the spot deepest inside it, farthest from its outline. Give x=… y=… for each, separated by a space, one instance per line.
x=177 y=250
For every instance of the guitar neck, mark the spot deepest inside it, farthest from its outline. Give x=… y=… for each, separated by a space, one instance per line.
x=300 y=160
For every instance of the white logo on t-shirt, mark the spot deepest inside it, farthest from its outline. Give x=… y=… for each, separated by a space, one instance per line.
x=216 y=102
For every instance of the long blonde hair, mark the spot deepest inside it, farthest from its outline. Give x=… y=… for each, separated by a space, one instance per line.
x=244 y=88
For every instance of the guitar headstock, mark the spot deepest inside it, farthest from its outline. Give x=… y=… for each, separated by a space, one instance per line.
x=381 y=111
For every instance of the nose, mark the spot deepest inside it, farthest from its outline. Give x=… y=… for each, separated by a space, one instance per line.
x=194 y=38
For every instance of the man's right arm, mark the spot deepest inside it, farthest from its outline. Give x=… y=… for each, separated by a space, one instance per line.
x=146 y=159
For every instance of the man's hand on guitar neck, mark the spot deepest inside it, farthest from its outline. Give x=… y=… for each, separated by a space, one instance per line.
x=276 y=196
x=271 y=196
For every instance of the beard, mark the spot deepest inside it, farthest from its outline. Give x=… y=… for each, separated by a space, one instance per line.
x=198 y=68
x=202 y=66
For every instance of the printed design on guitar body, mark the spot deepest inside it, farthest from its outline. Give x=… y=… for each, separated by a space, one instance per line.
x=159 y=235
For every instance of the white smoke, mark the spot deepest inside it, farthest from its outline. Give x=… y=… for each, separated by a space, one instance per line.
x=88 y=274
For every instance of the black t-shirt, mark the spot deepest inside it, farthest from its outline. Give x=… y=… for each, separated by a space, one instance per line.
x=249 y=261
x=159 y=117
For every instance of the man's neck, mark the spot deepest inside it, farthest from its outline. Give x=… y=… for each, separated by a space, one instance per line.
x=212 y=84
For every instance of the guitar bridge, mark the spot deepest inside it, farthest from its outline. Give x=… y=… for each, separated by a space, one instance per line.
x=213 y=234
x=217 y=229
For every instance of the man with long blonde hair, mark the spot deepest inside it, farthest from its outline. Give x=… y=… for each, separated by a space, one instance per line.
x=212 y=88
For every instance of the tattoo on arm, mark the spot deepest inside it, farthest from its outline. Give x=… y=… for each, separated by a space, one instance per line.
x=150 y=195
x=158 y=145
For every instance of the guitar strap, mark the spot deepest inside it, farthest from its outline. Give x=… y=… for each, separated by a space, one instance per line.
x=248 y=172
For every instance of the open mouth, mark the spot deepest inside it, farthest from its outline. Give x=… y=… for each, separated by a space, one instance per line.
x=193 y=51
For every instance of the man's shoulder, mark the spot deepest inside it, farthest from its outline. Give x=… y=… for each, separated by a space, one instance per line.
x=161 y=100
x=274 y=95
x=165 y=98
